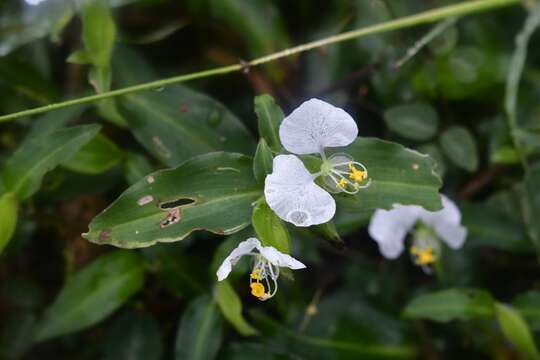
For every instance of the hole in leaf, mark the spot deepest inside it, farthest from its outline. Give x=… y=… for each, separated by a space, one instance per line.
x=177 y=203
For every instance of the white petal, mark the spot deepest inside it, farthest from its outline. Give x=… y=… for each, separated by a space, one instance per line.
x=245 y=247
x=279 y=259
x=446 y=223
x=390 y=227
x=294 y=197
x=315 y=125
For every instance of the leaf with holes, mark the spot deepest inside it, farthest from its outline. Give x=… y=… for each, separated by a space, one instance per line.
x=398 y=175
x=176 y=123
x=211 y=192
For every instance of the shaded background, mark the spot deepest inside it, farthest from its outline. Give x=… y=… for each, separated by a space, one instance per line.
x=350 y=302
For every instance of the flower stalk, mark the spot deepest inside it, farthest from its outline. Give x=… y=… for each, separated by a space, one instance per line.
x=466 y=7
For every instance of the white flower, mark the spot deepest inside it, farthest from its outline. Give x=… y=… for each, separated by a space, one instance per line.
x=267 y=262
x=390 y=227
x=291 y=190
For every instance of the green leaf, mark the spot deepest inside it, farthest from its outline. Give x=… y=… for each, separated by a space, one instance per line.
x=528 y=304
x=80 y=57
x=412 y=121
x=460 y=147
x=99 y=32
x=516 y=331
x=398 y=175
x=259 y=24
x=269 y=116
x=213 y=192
x=92 y=294
x=175 y=123
x=97 y=156
x=262 y=163
x=199 y=333
x=531 y=201
x=329 y=232
x=133 y=336
x=489 y=226
x=9 y=207
x=25 y=169
x=451 y=304
x=270 y=229
x=231 y=308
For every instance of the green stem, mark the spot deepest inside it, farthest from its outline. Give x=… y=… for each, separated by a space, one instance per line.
x=467 y=7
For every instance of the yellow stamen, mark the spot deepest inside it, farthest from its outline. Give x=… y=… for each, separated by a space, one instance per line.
x=257 y=289
x=255 y=274
x=341 y=184
x=425 y=256
x=355 y=174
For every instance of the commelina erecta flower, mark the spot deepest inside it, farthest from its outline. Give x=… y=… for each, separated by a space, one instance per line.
x=266 y=263
x=290 y=190
x=389 y=229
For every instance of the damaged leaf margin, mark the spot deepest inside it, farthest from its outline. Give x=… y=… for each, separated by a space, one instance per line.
x=212 y=192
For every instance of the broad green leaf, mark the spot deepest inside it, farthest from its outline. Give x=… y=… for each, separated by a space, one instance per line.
x=451 y=304
x=231 y=308
x=398 y=175
x=199 y=333
x=489 y=226
x=528 y=304
x=97 y=156
x=212 y=192
x=133 y=336
x=516 y=331
x=531 y=201
x=99 y=31
x=9 y=207
x=269 y=116
x=460 y=147
x=270 y=230
x=175 y=123
x=331 y=346
x=259 y=23
x=25 y=169
x=412 y=121
x=46 y=124
x=92 y=294
x=262 y=162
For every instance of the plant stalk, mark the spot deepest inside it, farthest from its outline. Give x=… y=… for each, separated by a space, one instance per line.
x=466 y=7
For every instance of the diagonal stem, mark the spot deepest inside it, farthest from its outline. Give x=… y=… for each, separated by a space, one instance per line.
x=466 y=7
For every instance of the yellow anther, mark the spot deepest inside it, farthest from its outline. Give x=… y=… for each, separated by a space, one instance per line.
x=341 y=184
x=355 y=174
x=255 y=274
x=257 y=289
x=423 y=256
